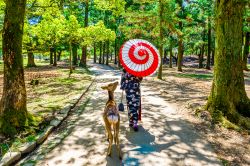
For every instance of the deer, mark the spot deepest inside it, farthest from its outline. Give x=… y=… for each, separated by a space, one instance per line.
x=111 y=119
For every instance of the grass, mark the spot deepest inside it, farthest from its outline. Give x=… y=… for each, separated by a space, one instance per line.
x=25 y=61
x=196 y=76
x=54 y=91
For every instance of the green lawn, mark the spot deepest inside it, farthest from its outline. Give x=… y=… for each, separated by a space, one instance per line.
x=196 y=76
x=54 y=93
x=25 y=61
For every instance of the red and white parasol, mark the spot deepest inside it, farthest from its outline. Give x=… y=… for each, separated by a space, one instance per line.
x=139 y=57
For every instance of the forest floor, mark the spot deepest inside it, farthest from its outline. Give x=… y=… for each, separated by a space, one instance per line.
x=189 y=90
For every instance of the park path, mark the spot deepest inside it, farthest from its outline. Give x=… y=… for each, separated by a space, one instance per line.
x=164 y=137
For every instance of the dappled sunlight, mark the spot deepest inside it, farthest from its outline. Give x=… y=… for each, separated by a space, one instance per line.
x=163 y=137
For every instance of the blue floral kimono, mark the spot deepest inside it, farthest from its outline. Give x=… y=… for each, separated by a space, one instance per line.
x=131 y=85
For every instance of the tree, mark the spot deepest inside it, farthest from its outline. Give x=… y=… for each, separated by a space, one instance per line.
x=73 y=37
x=209 y=43
x=202 y=49
x=29 y=40
x=13 y=110
x=83 y=62
x=180 y=36
x=97 y=33
x=159 y=76
x=51 y=31
x=228 y=96
x=170 y=51
x=246 y=50
x=246 y=30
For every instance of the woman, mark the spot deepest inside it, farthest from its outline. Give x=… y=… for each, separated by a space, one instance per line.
x=131 y=85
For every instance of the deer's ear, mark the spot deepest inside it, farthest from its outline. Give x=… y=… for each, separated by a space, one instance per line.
x=104 y=87
x=115 y=85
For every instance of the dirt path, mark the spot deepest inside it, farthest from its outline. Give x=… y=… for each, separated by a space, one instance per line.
x=164 y=137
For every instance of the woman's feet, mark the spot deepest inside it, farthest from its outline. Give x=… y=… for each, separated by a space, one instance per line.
x=134 y=126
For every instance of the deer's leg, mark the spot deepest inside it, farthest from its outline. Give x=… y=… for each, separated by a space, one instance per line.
x=106 y=130
x=117 y=141
x=110 y=136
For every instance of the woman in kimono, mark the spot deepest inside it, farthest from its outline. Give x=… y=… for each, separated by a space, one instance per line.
x=131 y=85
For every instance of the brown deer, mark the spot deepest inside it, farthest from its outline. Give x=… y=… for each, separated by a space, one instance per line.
x=111 y=118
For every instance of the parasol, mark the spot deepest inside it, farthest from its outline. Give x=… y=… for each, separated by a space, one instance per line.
x=139 y=57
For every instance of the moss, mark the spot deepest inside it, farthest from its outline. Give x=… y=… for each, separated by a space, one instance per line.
x=34 y=120
x=13 y=121
x=225 y=162
x=217 y=116
x=227 y=124
x=244 y=122
x=31 y=138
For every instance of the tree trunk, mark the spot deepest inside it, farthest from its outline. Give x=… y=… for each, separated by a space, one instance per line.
x=100 y=57
x=74 y=54
x=94 y=52
x=171 y=53
x=51 y=50
x=180 y=53
x=228 y=96
x=165 y=56
x=116 y=52
x=31 y=60
x=13 y=110
x=180 y=38
x=103 y=53
x=118 y=46
x=111 y=53
x=159 y=76
x=246 y=51
x=107 y=52
x=83 y=61
x=208 y=44
x=55 y=59
x=212 y=59
x=70 y=58
x=201 y=57
x=59 y=55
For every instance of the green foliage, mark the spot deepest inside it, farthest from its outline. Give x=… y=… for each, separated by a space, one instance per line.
x=246 y=18
x=116 y=6
x=73 y=31
x=29 y=36
x=96 y=33
x=51 y=30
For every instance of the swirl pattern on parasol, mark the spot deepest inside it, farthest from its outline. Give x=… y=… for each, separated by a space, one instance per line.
x=139 y=57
